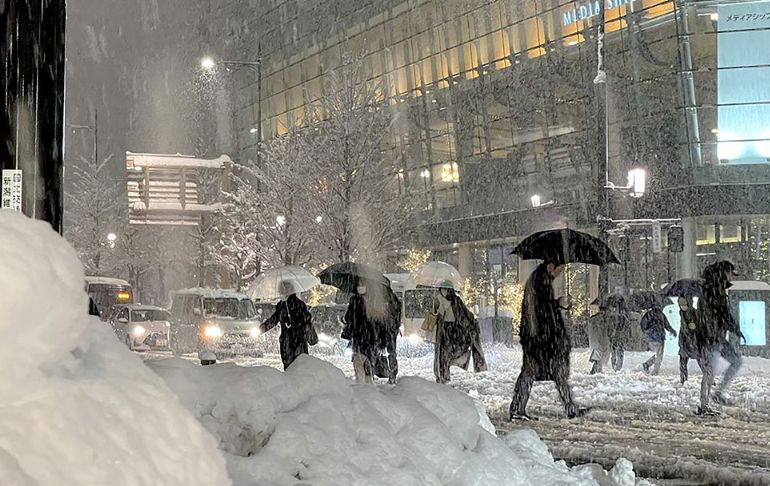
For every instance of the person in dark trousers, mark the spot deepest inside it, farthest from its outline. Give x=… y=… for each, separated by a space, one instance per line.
x=387 y=330
x=545 y=342
x=714 y=321
x=655 y=325
x=458 y=337
x=297 y=331
x=688 y=347
x=617 y=313
x=362 y=332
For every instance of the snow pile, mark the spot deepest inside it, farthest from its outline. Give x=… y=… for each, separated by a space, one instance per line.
x=76 y=407
x=311 y=425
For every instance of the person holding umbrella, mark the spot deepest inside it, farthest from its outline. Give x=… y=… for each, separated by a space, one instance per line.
x=714 y=322
x=458 y=335
x=297 y=331
x=544 y=336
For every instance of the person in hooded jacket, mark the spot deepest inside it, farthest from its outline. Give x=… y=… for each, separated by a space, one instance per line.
x=545 y=342
x=297 y=331
x=363 y=333
x=458 y=336
x=714 y=322
x=688 y=347
x=655 y=325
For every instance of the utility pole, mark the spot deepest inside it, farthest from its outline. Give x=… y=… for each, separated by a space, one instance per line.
x=602 y=176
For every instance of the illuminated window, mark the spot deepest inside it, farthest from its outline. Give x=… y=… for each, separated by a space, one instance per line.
x=730 y=233
x=706 y=234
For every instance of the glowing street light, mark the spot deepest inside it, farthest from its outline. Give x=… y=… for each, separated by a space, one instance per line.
x=280 y=220
x=112 y=237
x=208 y=63
x=319 y=219
x=536 y=201
x=637 y=182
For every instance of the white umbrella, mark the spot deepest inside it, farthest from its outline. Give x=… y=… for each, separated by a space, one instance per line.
x=267 y=287
x=438 y=274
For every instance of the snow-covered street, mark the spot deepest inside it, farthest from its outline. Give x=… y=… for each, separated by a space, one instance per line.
x=647 y=419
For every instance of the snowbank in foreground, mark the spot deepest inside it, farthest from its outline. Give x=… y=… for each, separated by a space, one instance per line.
x=76 y=407
x=311 y=425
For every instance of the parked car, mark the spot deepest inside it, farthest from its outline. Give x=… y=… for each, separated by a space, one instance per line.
x=141 y=326
x=223 y=322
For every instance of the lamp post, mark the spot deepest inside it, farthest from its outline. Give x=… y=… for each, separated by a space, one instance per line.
x=209 y=64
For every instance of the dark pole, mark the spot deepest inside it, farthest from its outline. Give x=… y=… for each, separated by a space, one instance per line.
x=96 y=138
x=600 y=83
x=259 y=104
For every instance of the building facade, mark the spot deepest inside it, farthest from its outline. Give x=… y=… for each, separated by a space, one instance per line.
x=505 y=131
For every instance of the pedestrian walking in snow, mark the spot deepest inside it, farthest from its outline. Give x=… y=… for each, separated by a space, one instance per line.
x=545 y=342
x=297 y=331
x=599 y=332
x=617 y=313
x=458 y=336
x=714 y=321
x=655 y=325
x=387 y=331
x=361 y=330
x=688 y=347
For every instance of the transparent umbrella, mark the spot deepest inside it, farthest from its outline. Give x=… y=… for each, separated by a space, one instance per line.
x=437 y=274
x=267 y=287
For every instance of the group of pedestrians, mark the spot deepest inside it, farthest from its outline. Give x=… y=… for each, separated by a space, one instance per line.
x=371 y=326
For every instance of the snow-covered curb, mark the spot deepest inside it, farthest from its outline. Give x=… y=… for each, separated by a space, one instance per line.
x=311 y=425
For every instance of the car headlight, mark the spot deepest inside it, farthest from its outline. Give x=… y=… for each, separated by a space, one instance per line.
x=414 y=339
x=138 y=331
x=212 y=331
x=254 y=332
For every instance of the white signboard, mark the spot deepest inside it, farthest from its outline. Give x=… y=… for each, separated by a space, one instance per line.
x=656 y=239
x=11 y=189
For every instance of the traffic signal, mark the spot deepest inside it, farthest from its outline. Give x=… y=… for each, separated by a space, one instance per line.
x=675 y=239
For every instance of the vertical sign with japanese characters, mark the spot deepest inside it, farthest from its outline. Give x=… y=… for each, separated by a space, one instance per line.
x=657 y=244
x=11 y=189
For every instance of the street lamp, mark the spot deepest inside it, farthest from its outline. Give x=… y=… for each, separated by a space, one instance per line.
x=209 y=64
x=280 y=220
x=637 y=183
x=111 y=238
x=535 y=201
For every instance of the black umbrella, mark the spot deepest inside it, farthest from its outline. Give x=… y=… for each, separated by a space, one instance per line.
x=347 y=276
x=686 y=287
x=565 y=246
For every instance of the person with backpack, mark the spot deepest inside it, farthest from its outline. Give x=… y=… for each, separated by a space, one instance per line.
x=655 y=325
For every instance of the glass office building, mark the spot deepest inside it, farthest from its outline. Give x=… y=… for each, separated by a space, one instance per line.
x=502 y=121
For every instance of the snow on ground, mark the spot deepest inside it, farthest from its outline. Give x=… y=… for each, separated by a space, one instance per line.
x=647 y=419
x=76 y=407
x=313 y=425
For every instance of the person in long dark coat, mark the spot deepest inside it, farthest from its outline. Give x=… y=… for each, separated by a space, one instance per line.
x=387 y=331
x=297 y=331
x=688 y=347
x=545 y=342
x=714 y=322
x=458 y=337
x=363 y=333
x=617 y=311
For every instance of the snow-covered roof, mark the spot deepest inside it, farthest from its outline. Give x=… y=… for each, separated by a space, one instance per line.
x=177 y=161
x=106 y=281
x=175 y=206
x=212 y=293
x=143 y=307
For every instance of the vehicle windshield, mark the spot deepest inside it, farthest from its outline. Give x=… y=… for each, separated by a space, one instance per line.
x=106 y=295
x=229 y=308
x=149 y=315
x=417 y=302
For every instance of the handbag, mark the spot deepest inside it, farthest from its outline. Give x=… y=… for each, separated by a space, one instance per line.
x=430 y=321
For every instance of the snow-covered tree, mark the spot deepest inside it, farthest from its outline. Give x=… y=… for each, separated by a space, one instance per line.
x=285 y=194
x=136 y=250
x=363 y=213
x=94 y=207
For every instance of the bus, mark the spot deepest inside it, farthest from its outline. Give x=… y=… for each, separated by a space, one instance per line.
x=106 y=292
